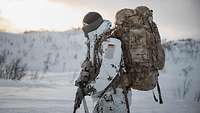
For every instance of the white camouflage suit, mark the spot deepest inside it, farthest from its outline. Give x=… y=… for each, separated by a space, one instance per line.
x=113 y=101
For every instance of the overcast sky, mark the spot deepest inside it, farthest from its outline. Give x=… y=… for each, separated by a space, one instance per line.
x=175 y=18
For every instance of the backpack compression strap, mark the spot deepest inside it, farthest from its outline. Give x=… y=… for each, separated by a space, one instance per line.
x=159 y=94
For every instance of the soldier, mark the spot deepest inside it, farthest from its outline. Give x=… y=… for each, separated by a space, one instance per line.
x=101 y=66
x=127 y=56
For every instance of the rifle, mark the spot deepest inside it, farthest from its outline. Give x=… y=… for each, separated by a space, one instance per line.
x=80 y=96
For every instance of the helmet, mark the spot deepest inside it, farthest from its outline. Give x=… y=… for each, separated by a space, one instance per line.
x=91 y=22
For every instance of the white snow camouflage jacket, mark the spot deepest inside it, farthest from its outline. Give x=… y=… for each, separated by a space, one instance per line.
x=110 y=57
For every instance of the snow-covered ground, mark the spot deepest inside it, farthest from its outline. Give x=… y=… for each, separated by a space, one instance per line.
x=54 y=91
x=52 y=94
x=55 y=94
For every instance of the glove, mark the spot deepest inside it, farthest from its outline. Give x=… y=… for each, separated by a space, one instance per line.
x=88 y=90
x=83 y=79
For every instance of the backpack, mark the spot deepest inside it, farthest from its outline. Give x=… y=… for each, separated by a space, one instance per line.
x=143 y=54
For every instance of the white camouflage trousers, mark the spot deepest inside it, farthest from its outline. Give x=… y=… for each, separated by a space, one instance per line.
x=113 y=101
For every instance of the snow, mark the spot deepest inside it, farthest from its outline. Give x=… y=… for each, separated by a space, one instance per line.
x=53 y=91
x=54 y=94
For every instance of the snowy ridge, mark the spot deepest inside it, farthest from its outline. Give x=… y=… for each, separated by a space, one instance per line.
x=45 y=51
x=182 y=68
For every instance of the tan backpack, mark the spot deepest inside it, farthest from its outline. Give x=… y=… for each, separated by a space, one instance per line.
x=143 y=53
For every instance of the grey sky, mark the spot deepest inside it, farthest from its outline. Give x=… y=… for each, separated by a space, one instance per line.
x=175 y=18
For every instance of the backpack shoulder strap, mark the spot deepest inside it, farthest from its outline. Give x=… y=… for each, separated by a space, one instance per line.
x=106 y=35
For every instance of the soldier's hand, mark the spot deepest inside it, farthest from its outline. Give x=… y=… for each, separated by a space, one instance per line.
x=81 y=84
x=87 y=90
x=83 y=79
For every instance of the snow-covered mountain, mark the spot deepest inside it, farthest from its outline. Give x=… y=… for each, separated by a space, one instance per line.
x=182 y=68
x=45 y=51
x=64 y=51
